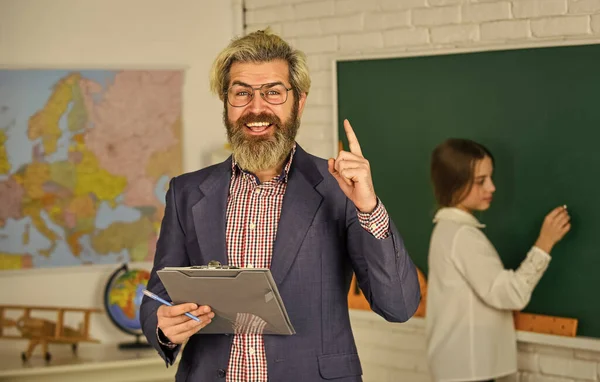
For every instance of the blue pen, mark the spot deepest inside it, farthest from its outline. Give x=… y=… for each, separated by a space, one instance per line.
x=167 y=303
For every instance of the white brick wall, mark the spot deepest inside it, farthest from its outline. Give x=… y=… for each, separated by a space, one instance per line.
x=474 y=13
x=270 y=14
x=406 y=37
x=539 y=8
x=454 y=33
x=325 y=29
x=506 y=30
x=596 y=24
x=584 y=6
x=343 y=7
x=391 y=5
x=569 y=368
x=397 y=352
x=561 y=26
x=436 y=16
x=311 y=9
x=336 y=25
x=382 y=21
x=302 y=28
x=361 y=41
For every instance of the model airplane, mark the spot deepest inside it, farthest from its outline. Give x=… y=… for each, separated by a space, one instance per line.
x=42 y=331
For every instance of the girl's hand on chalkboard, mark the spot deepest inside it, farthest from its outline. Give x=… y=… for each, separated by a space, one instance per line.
x=353 y=173
x=555 y=227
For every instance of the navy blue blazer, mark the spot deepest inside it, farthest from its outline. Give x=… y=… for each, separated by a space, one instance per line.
x=319 y=243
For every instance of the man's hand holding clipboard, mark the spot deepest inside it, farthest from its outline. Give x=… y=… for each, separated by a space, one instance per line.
x=180 y=322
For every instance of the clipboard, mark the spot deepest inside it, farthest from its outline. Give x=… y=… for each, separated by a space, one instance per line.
x=244 y=300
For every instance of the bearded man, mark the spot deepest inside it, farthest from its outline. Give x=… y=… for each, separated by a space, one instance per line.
x=313 y=222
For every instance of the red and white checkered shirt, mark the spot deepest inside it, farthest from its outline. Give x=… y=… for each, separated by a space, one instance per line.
x=253 y=211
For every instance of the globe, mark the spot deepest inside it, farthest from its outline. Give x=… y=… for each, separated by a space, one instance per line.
x=122 y=299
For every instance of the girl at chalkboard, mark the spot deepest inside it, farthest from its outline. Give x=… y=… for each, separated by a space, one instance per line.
x=469 y=321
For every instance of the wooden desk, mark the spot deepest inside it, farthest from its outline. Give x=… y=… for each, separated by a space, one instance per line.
x=94 y=362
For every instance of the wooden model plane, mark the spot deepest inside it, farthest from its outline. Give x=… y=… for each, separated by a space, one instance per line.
x=42 y=331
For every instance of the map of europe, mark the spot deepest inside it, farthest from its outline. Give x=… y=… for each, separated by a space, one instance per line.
x=85 y=161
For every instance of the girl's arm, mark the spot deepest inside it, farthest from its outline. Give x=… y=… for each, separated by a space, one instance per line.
x=479 y=263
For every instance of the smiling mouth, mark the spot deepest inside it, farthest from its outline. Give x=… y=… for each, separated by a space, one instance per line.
x=258 y=127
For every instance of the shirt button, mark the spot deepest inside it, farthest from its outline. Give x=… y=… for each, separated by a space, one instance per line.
x=250 y=265
x=221 y=373
x=251 y=351
x=257 y=190
x=252 y=225
x=373 y=226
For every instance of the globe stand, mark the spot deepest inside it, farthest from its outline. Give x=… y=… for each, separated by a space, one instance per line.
x=126 y=327
x=135 y=345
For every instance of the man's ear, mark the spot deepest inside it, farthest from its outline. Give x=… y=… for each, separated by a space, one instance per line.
x=301 y=103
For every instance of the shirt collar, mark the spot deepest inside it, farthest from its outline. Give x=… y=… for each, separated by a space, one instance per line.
x=283 y=177
x=457 y=215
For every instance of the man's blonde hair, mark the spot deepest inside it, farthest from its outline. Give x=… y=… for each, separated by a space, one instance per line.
x=257 y=47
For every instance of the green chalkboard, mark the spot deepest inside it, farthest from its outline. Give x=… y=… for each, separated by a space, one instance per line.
x=537 y=110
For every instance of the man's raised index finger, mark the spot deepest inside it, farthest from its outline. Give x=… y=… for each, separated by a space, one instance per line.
x=352 y=140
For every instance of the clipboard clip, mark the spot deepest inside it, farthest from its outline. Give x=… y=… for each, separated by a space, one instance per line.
x=214 y=264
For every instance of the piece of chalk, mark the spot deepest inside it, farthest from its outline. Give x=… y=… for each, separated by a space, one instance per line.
x=565 y=206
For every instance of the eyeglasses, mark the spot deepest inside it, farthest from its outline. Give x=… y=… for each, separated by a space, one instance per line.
x=241 y=95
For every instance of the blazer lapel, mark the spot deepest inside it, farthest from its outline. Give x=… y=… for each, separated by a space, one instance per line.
x=300 y=204
x=210 y=214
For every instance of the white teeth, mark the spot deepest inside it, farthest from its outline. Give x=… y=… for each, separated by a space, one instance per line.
x=257 y=124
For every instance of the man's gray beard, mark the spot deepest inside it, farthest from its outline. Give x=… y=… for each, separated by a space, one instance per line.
x=255 y=154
